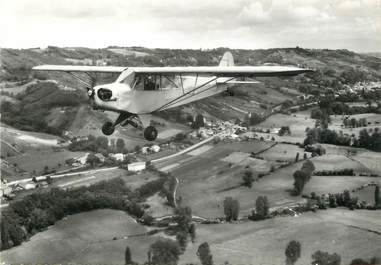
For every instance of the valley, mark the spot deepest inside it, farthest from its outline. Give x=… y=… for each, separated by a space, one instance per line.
x=253 y=140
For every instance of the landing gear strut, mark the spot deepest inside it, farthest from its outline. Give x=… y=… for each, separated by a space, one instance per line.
x=108 y=128
x=150 y=133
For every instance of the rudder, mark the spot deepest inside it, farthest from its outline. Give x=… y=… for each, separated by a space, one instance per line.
x=227 y=59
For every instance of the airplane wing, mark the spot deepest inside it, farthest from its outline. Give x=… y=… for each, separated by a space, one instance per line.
x=80 y=68
x=220 y=71
x=224 y=71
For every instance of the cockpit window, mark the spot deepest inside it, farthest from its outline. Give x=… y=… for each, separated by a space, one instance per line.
x=104 y=94
x=156 y=82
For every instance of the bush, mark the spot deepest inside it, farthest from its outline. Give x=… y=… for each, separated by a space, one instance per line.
x=164 y=251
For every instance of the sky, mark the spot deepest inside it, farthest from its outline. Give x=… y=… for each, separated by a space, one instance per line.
x=256 y=24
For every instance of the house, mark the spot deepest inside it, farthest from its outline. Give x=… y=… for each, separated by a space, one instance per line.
x=117 y=156
x=145 y=150
x=136 y=166
x=155 y=148
x=5 y=191
x=82 y=159
x=100 y=157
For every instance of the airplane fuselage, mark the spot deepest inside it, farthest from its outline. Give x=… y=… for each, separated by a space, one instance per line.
x=120 y=97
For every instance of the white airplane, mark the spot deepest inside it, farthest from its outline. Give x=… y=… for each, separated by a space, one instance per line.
x=145 y=90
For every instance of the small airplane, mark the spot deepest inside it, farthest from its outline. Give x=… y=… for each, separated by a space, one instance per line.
x=139 y=91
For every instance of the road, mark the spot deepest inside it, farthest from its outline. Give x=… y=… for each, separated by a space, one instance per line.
x=186 y=150
x=43 y=177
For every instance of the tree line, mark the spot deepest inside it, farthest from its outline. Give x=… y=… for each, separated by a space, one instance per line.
x=371 y=141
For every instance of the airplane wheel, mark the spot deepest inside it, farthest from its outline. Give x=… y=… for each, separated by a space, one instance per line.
x=150 y=133
x=108 y=128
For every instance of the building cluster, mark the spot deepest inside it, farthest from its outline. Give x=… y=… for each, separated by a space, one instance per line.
x=224 y=129
x=360 y=87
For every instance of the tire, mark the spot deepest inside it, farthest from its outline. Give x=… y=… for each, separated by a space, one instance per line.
x=108 y=128
x=150 y=133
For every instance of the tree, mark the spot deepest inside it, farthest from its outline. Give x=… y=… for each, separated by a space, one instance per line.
x=347 y=198
x=300 y=179
x=203 y=253
x=199 y=121
x=231 y=208
x=308 y=167
x=164 y=252
x=102 y=142
x=248 y=178
x=332 y=201
x=297 y=157
x=120 y=144
x=137 y=148
x=292 y=252
x=262 y=207
x=92 y=159
x=127 y=256
x=316 y=114
x=192 y=232
x=359 y=262
x=182 y=238
x=377 y=198
x=324 y=258
x=364 y=138
x=183 y=218
x=49 y=180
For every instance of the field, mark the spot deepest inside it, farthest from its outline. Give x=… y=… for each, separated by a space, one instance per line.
x=337 y=162
x=36 y=160
x=284 y=152
x=208 y=176
x=351 y=234
x=298 y=123
x=206 y=179
x=85 y=238
x=25 y=140
x=132 y=180
x=337 y=122
x=370 y=159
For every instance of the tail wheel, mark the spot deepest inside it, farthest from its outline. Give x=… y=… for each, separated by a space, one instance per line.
x=150 y=133
x=108 y=128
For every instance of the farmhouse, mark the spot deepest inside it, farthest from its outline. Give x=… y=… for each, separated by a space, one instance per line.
x=137 y=166
x=117 y=156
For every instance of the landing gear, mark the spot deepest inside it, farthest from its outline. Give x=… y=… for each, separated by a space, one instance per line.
x=108 y=128
x=150 y=133
x=124 y=118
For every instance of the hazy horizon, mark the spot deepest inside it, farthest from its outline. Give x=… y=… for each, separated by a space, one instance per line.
x=238 y=24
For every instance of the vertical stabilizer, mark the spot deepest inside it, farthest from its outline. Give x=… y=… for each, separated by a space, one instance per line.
x=227 y=59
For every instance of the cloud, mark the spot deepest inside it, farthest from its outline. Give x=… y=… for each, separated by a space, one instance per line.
x=192 y=23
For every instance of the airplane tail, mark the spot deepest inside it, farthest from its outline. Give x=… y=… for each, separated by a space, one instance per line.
x=227 y=59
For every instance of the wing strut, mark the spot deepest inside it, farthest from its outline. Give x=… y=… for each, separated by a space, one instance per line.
x=87 y=80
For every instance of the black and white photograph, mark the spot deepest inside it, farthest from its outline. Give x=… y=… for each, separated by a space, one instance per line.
x=199 y=132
